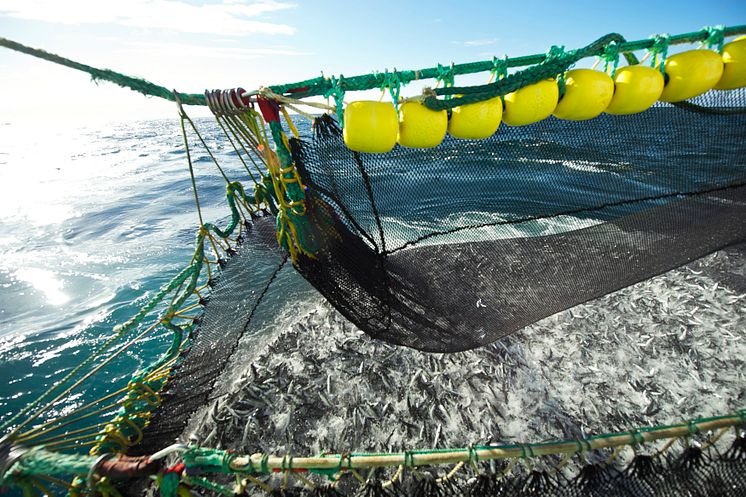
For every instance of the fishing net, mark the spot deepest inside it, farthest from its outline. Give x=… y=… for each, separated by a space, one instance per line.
x=442 y=250
x=233 y=302
x=450 y=248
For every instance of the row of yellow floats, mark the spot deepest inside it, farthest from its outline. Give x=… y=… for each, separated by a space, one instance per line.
x=375 y=127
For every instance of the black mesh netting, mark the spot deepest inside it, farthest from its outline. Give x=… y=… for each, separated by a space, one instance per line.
x=450 y=248
x=232 y=304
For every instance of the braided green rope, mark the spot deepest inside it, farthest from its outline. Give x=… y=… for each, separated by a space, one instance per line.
x=549 y=68
x=38 y=461
x=137 y=84
x=317 y=86
x=331 y=86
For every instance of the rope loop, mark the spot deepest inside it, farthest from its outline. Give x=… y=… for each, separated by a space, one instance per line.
x=526 y=451
x=393 y=83
x=408 y=459
x=473 y=457
x=715 y=37
x=692 y=426
x=610 y=56
x=499 y=67
x=583 y=445
x=637 y=439
x=338 y=93
x=659 y=48
x=446 y=75
x=555 y=52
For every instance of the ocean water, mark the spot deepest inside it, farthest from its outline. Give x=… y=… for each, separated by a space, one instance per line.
x=94 y=219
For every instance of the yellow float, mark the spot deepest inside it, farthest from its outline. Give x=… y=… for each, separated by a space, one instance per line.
x=420 y=127
x=734 y=65
x=370 y=126
x=477 y=120
x=691 y=73
x=531 y=103
x=587 y=94
x=636 y=88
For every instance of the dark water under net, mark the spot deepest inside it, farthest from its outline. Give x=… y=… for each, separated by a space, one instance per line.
x=452 y=248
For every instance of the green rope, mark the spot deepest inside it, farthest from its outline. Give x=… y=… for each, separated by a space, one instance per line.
x=119 y=332
x=556 y=62
x=318 y=86
x=38 y=461
x=137 y=84
x=323 y=85
x=212 y=486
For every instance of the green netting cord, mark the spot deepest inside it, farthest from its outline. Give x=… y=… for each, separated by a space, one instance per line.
x=142 y=392
x=212 y=486
x=499 y=67
x=119 y=331
x=234 y=190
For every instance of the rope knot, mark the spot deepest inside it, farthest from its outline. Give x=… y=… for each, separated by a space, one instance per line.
x=338 y=93
x=555 y=52
x=445 y=74
x=659 y=48
x=715 y=36
x=499 y=67
x=392 y=81
x=610 y=56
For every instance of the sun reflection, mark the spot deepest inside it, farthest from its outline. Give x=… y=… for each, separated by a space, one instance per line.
x=46 y=282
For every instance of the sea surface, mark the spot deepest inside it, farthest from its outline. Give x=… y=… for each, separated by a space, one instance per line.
x=94 y=219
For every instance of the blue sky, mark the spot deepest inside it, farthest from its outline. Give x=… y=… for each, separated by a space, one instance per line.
x=196 y=44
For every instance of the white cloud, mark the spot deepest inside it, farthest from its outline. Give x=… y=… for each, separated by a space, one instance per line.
x=477 y=43
x=231 y=17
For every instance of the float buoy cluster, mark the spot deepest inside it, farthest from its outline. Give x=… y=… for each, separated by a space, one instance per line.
x=376 y=127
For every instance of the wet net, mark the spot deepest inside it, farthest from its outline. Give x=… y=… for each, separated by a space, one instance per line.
x=451 y=248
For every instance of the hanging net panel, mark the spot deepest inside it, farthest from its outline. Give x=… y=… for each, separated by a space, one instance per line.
x=454 y=247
